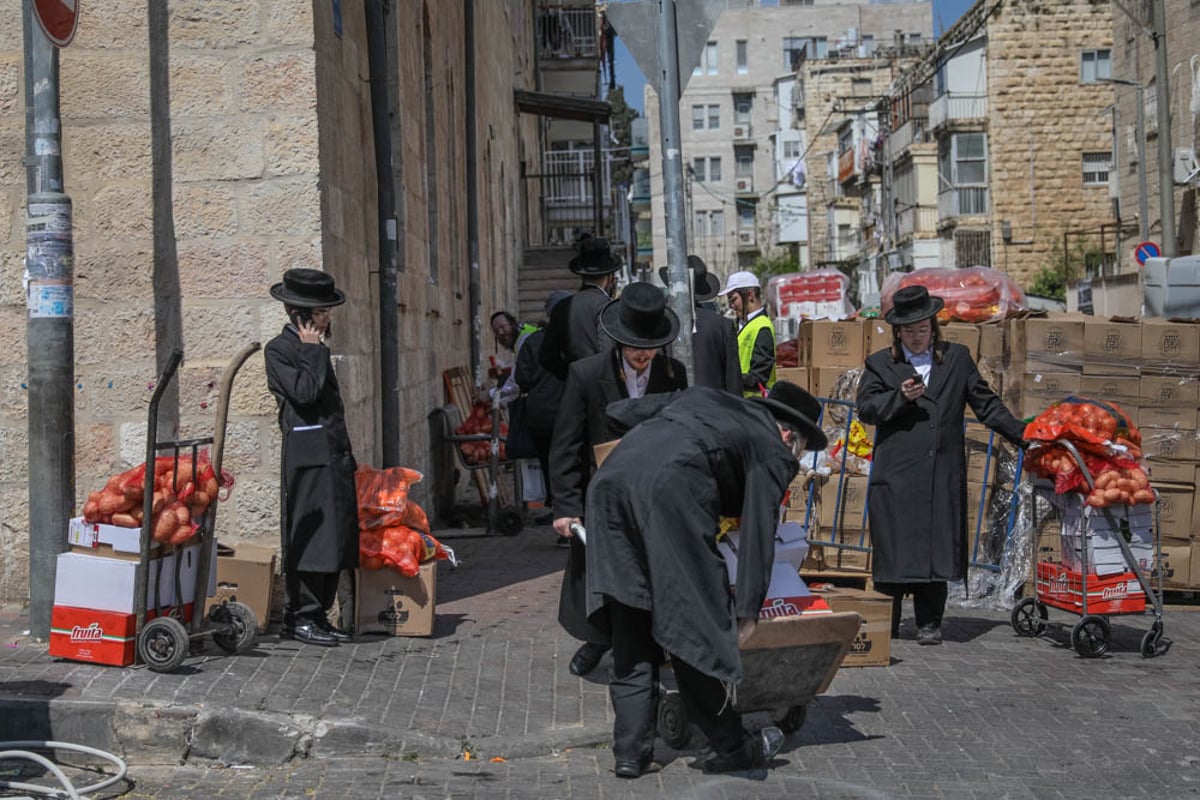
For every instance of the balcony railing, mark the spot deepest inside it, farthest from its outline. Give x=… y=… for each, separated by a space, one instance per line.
x=846 y=165
x=963 y=201
x=916 y=219
x=911 y=131
x=567 y=178
x=567 y=32
x=956 y=106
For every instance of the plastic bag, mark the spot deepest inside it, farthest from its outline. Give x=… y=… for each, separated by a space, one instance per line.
x=383 y=496
x=817 y=294
x=973 y=294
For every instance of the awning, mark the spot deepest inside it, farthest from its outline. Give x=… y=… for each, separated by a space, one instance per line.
x=562 y=106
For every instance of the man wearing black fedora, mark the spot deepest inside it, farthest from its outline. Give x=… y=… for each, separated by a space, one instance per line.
x=714 y=337
x=655 y=576
x=318 y=502
x=572 y=332
x=915 y=393
x=641 y=324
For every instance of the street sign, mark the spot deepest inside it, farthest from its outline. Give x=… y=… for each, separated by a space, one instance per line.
x=58 y=19
x=635 y=22
x=1144 y=251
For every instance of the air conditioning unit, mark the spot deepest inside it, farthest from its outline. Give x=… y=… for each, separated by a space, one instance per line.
x=745 y=237
x=744 y=185
x=741 y=131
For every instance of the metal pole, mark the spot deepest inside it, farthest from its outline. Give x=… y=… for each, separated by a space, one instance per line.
x=1143 y=194
x=475 y=293
x=597 y=188
x=680 y=289
x=1166 y=152
x=49 y=326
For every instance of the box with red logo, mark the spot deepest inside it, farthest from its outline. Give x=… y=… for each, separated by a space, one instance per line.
x=99 y=637
x=1061 y=587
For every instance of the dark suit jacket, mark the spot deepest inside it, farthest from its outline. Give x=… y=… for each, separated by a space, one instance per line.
x=592 y=384
x=714 y=345
x=573 y=331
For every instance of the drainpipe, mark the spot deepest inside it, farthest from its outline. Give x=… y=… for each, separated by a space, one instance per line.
x=475 y=293
x=389 y=365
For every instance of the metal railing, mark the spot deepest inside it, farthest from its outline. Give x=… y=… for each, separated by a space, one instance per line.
x=567 y=177
x=955 y=106
x=911 y=131
x=567 y=32
x=916 y=219
x=963 y=201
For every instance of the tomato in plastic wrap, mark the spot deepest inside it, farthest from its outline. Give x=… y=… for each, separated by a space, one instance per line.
x=787 y=353
x=971 y=294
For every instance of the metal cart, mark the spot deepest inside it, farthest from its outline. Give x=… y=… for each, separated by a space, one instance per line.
x=1090 y=596
x=164 y=642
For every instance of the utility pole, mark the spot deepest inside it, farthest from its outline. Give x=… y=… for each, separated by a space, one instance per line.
x=672 y=166
x=1166 y=151
x=49 y=325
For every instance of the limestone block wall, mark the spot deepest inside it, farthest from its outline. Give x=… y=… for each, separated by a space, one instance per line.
x=1041 y=119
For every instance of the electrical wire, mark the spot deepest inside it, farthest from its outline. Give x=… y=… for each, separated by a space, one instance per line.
x=69 y=790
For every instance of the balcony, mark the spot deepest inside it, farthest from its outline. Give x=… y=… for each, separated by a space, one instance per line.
x=963 y=201
x=567 y=33
x=911 y=131
x=845 y=165
x=743 y=186
x=957 y=107
x=916 y=219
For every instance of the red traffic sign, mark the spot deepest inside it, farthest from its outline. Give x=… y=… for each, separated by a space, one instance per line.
x=1144 y=251
x=58 y=19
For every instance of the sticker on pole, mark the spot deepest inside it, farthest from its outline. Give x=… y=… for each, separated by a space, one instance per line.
x=58 y=19
x=50 y=300
x=1144 y=251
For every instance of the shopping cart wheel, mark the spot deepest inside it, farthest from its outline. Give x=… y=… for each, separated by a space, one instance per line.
x=238 y=626
x=1090 y=636
x=793 y=720
x=163 y=644
x=673 y=724
x=1029 y=617
x=1153 y=643
x=509 y=522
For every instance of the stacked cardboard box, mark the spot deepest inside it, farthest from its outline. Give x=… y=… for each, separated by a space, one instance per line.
x=1048 y=353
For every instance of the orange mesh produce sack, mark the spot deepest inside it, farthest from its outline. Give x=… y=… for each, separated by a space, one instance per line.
x=383 y=495
x=1100 y=427
x=400 y=548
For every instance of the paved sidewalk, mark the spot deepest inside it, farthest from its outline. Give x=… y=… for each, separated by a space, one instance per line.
x=986 y=715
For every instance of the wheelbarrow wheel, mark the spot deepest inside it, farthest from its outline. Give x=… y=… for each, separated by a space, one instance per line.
x=239 y=626
x=793 y=720
x=1090 y=637
x=673 y=724
x=509 y=522
x=163 y=644
x=1029 y=617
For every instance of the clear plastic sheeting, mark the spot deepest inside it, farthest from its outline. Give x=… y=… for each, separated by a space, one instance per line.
x=972 y=294
x=816 y=294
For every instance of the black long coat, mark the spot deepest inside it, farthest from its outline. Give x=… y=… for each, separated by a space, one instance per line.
x=653 y=513
x=917 y=492
x=319 y=519
x=592 y=384
x=714 y=347
x=573 y=331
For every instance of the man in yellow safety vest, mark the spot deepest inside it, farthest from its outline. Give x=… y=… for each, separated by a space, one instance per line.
x=756 y=333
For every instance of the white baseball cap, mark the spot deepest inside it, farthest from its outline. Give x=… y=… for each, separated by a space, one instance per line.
x=741 y=280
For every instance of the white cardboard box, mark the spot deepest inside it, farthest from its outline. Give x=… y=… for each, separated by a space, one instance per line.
x=1097 y=529
x=82 y=533
x=107 y=584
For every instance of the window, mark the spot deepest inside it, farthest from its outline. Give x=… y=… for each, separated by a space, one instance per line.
x=711 y=174
x=697 y=118
x=714 y=117
x=699 y=223
x=1096 y=167
x=746 y=216
x=710 y=115
x=698 y=168
x=717 y=223
x=798 y=48
x=708 y=60
x=743 y=65
x=964 y=161
x=791 y=148
x=741 y=109
x=744 y=166
x=868 y=43
x=714 y=170
x=1095 y=66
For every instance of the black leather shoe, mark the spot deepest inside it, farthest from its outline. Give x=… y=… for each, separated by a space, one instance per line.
x=337 y=633
x=929 y=634
x=755 y=752
x=632 y=769
x=586 y=658
x=309 y=633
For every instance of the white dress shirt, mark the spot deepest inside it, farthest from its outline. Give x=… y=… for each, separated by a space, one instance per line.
x=635 y=382
x=922 y=363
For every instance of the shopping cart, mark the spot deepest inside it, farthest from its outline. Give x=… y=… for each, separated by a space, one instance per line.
x=1083 y=590
x=164 y=642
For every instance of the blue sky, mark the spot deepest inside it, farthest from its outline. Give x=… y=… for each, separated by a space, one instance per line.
x=945 y=14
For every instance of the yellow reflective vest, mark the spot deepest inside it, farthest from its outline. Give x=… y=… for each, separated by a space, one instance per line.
x=746 y=338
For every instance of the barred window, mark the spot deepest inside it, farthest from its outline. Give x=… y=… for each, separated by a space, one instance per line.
x=1096 y=167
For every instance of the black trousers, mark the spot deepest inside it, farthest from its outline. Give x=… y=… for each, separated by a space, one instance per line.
x=309 y=595
x=542 y=446
x=929 y=602
x=634 y=691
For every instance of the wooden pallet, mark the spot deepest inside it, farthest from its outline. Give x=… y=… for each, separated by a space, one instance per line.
x=460 y=393
x=839 y=577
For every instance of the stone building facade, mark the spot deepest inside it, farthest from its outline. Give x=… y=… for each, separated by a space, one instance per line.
x=271 y=166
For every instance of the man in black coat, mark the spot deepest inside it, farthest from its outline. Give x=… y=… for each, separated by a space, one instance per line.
x=714 y=337
x=656 y=576
x=572 y=332
x=318 y=502
x=641 y=324
x=914 y=392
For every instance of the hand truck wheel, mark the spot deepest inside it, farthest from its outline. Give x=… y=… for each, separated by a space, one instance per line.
x=1153 y=643
x=509 y=522
x=1029 y=617
x=793 y=720
x=239 y=624
x=673 y=724
x=1090 y=637
x=163 y=644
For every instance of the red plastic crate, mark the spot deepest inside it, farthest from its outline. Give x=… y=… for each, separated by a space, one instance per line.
x=1061 y=587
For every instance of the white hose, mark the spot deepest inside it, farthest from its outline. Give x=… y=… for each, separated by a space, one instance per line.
x=68 y=789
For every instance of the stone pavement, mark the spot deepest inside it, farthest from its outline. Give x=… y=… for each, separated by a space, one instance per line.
x=986 y=715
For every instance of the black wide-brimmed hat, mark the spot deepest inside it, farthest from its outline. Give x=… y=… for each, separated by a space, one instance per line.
x=595 y=258
x=705 y=285
x=640 y=318
x=308 y=288
x=792 y=405
x=913 y=304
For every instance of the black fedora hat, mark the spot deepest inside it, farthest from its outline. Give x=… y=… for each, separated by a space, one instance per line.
x=913 y=304
x=640 y=318
x=307 y=288
x=792 y=405
x=595 y=258
x=705 y=285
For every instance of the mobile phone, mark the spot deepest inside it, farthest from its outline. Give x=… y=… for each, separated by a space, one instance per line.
x=301 y=316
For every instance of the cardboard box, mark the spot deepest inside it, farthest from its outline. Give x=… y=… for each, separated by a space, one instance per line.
x=99 y=637
x=877 y=335
x=1171 y=343
x=834 y=343
x=1052 y=342
x=1112 y=346
x=247 y=577
x=848 y=497
x=1160 y=390
x=110 y=541
x=844 y=558
x=982 y=465
x=1169 y=443
x=1040 y=389
x=1152 y=417
x=796 y=375
x=1161 y=471
x=872 y=645
x=1175 y=502
x=1134 y=524
x=601 y=451
x=992 y=340
x=391 y=604
x=824 y=382
x=964 y=334
x=1177 y=567
x=1061 y=587
x=1122 y=390
x=107 y=584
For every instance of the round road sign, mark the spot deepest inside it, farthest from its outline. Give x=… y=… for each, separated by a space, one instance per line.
x=58 y=19
x=1144 y=251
